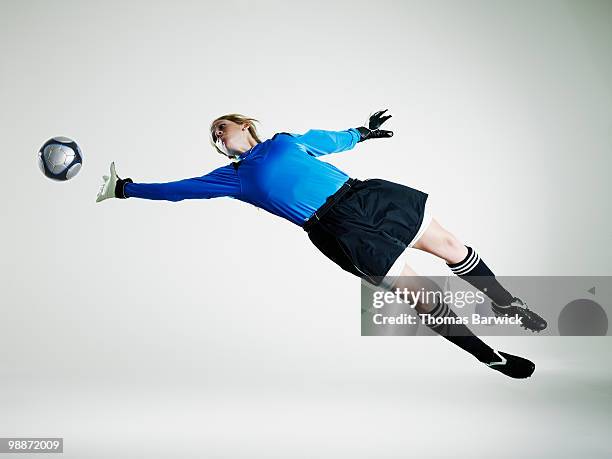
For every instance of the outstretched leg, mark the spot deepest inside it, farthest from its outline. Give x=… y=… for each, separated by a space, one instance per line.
x=466 y=263
x=441 y=319
x=463 y=261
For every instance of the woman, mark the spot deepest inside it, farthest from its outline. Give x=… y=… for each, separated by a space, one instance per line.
x=363 y=226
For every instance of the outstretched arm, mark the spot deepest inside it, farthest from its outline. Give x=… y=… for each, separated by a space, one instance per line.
x=319 y=142
x=220 y=182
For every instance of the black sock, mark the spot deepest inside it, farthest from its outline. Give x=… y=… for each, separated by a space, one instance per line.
x=458 y=333
x=473 y=270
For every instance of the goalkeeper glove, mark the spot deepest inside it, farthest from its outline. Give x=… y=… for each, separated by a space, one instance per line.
x=374 y=123
x=113 y=186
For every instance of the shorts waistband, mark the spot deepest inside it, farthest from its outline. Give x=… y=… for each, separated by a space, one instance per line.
x=328 y=204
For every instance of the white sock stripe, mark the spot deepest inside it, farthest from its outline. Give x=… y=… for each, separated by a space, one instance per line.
x=436 y=310
x=467 y=268
x=471 y=253
x=465 y=262
x=471 y=266
x=440 y=311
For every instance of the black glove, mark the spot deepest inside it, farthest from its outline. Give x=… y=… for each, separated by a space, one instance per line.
x=372 y=131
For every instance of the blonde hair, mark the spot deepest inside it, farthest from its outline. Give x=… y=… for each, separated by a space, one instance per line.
x=238 y=119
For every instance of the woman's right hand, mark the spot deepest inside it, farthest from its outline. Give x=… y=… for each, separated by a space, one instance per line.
x=112 y=186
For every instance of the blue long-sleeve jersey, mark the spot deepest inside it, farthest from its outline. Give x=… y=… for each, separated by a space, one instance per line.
x=280 y=175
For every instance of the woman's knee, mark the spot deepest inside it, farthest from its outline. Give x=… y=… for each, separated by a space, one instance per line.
x=455 y=250
x=405 y=276
x=442 y=243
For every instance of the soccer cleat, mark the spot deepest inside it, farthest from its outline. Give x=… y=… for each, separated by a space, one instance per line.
x=529 y=319
x=512 y=365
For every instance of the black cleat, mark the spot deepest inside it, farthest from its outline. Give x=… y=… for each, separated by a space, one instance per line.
x=529 y=319
x=512 y=365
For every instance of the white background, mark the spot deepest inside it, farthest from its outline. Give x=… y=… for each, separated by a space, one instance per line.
x=213 y=329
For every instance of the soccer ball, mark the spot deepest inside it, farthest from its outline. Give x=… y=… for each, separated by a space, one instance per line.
x=60 y=158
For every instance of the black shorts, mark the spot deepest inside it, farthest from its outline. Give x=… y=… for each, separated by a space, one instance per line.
x=366 y=225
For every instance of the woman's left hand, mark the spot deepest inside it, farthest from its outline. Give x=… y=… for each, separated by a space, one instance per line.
x=377 y=119
x=372 y=131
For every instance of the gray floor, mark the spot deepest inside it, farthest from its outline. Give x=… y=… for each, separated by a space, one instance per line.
x=392 y=407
